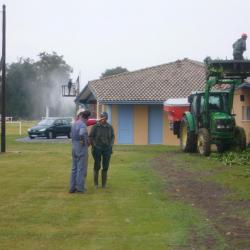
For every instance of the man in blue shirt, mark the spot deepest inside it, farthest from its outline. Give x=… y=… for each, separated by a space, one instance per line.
x=79 y=134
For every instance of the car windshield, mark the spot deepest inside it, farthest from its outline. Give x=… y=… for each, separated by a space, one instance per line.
x=46 y=122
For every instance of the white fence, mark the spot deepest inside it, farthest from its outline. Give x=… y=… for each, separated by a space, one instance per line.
x=7 y=118
x=19 y=123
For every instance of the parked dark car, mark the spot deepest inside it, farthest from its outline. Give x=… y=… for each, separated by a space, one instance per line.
x=51 y=128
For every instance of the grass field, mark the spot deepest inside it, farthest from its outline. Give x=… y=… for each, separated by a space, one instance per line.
x=134 y=212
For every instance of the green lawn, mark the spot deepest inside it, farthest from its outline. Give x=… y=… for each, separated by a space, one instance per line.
x=134 y=212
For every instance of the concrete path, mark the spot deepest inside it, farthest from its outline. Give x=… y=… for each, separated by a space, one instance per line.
x=59 y=139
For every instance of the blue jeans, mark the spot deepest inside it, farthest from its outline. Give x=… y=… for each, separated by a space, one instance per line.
x=79 y=166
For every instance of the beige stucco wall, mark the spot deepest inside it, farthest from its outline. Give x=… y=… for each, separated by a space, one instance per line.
x=140 y=124
x=237 y=109
x=168 y=136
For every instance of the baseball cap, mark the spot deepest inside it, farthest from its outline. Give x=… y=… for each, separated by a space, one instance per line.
x=104 y=114
x=79 y=111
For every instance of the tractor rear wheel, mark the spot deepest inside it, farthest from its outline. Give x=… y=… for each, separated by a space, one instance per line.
x=240 y=139
x=187 y=137
x=203 y=142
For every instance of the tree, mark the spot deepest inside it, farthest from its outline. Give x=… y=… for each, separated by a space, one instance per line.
x=114 y=71
x=20 y=80
x=52 y=72
x=33 y=85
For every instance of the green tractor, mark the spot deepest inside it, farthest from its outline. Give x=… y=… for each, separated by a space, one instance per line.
x=210 y=120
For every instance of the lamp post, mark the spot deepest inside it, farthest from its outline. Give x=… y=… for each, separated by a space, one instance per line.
x=3 y=112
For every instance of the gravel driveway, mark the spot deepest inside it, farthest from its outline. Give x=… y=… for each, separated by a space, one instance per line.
x=59 y=139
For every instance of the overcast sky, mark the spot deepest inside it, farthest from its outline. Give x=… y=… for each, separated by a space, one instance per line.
x=94 y=35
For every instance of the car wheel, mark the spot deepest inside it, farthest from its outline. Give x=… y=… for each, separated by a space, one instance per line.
x=69 y=135
x=50 y=135
x=31 y=137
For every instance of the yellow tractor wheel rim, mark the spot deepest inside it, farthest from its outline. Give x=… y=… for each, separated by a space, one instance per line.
x=184 y=136
x=200 y=144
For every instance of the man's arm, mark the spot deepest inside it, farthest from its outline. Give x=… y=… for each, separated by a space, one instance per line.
x=92 y=135
x=242 y=45
x=83 y=134
x=112 y=136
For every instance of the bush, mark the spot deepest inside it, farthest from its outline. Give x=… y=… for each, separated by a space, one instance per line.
x=233 y=158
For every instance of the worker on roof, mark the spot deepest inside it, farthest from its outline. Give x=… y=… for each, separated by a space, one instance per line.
x=239 y=47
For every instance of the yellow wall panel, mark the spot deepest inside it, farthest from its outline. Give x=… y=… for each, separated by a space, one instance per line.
x=238 y=108
x=140 y=124
x=168 y=136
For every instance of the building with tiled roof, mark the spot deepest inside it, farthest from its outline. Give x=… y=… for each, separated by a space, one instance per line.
x=134 y=100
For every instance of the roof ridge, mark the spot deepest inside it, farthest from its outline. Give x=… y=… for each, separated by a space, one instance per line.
x=151 y=67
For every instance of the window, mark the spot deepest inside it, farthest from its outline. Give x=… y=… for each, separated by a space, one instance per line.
x=246 y=113
x=65 y=122
x=215 y=103
x=202 y=104
x=194 y=105
x=58 y=122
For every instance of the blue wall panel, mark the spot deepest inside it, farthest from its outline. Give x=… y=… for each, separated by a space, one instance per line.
x=125 y=124
x=109 y=111
x=155 y=124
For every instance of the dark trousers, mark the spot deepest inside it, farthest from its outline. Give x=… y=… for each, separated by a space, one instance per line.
x=101 y=155
x=238 y=56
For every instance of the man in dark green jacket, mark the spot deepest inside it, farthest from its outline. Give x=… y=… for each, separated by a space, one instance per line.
x=102 y=139
x=239 y=47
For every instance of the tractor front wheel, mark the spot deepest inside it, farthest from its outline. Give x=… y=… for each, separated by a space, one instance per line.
x=240 y=137
x=187 y=137
x=203 y=142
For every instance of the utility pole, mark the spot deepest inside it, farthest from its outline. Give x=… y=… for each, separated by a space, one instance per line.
x=3 y=112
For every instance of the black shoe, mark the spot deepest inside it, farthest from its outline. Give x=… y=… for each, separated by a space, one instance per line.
x=80 y=192
x=72 y=191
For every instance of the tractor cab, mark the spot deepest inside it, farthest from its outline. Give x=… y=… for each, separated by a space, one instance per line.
x=217 y=107
x=221 y=122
